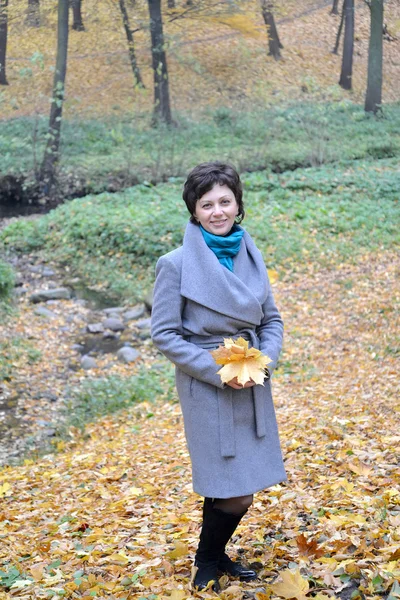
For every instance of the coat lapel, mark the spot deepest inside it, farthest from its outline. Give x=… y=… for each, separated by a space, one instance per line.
x=205 y=281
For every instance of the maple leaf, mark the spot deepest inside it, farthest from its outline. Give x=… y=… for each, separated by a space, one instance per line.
x=308 y=547
x=247 y=364
x=361 y=469
x=293 y=585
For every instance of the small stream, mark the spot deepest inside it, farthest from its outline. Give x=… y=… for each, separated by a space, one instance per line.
x=7 y=211
x=17 y=425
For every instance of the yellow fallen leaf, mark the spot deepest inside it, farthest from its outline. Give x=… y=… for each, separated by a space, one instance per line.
x=5 y=489
x=180 y=549
x=273 y=275
x=178 y=595
x=118 y=559
x=240 y=361
x=361 y=469
x=37 y=572
x=135 y=491
x=233 y=592
x=293 y=585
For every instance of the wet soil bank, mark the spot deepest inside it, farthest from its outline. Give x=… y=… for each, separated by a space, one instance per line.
x=21 y=196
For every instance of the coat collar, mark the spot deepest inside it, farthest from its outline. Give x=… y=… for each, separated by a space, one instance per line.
x=204 y=280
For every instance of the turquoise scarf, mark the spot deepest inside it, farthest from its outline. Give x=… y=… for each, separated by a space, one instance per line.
x=225 y=247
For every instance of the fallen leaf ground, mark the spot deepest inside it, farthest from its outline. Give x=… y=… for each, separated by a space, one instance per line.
x=210 y=63
x=114 y=516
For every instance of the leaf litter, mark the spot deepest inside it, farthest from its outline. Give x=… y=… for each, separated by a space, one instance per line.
x=113 y=515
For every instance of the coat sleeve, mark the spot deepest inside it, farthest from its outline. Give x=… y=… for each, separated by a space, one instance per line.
x=270 y=330
x=167 y=329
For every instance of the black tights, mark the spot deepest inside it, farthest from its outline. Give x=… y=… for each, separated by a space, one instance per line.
x=235 y=506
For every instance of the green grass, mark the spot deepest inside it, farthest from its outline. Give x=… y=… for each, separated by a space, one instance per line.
x=323 y=215
x=95 y=398
x=111 y=154
x=7 y=280
x=14 y=350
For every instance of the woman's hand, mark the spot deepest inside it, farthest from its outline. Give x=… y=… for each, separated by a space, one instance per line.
x=233 y=383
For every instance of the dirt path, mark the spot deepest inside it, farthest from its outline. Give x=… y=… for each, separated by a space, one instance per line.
x=119 y=504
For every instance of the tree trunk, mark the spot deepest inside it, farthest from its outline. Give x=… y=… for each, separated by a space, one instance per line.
x=131 y=45
x=335 y=7
x=171 y=4
x=48 y=171
x=162 y=107
x=339 y=32
x=3 y=40
x=348 y=46
x=273 y=37
x=373 y=97
x=77 y=22
x=33 y=13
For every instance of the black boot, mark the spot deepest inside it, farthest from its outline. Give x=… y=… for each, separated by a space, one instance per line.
x=208 y=551
x=226 y=565
x=217 y=529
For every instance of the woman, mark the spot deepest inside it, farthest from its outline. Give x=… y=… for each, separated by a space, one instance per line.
x=213 y=287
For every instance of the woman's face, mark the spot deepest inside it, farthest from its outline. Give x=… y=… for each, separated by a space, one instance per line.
x=217 y=209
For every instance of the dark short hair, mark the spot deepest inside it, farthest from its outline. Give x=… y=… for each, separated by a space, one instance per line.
x=202 y=179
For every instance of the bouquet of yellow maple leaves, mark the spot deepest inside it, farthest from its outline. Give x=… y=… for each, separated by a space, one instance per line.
x=247 y=364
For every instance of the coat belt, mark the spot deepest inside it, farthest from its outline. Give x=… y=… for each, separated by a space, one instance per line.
x=226 y=395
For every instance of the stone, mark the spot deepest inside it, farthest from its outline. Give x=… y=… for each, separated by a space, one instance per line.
x=52 y=294
x=144 y=323
x=19 y=279
x=148 y=299
x=113 y=324
x=134 y=313
x=50 y=396
x=144 y=334
x=87 y=363
x=20 y=291
x=77 y=347
x=110 y=335
x=127 y=354
x=47 y=272
x=113 y=310
x=95 y=328
x=42 y=311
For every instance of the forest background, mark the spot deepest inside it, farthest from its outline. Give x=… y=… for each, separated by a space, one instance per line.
x=95 y=492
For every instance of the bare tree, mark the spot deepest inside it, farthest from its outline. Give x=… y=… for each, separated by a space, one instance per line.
x=77 y=21
x=3 y=40
x=33 y=13
x=274 y=43
x=335 y=7
x=345 y=80
x=131 y=44
x=339 y=31
x=162 y=106
x=48 y=171
x=373 y=97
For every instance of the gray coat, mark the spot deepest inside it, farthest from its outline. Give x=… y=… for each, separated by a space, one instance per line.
x=231 y=434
